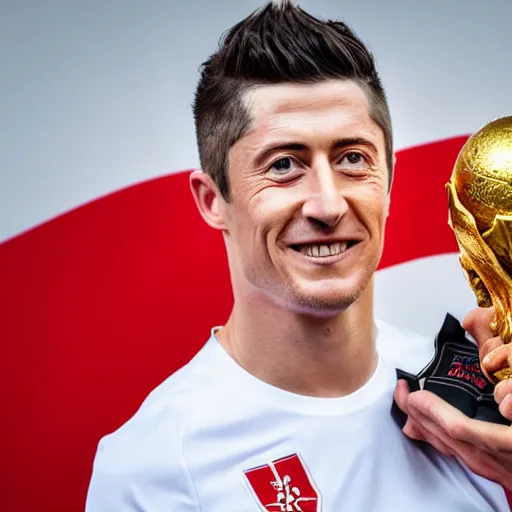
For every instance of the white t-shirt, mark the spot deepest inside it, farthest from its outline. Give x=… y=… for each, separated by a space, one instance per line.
x=214 y=438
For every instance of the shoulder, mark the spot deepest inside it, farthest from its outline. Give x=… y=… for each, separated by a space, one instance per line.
x=405 y=349
x=146 y=452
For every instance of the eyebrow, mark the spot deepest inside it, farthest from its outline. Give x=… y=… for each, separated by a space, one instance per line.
x=298 y=146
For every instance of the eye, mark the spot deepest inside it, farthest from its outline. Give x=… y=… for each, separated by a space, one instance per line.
x=284 y=170
x=282 y=166
x=353 y=160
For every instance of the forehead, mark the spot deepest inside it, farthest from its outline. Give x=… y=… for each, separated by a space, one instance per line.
x=334 y=107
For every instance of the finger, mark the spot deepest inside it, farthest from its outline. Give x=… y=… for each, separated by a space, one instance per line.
x=412 y=431
x=434 y=418
x=415 y=430
x=437 y=443
x=496 y=466
x=487 y=436
x=441 y=446
x=502 y=389
x=402 y=395
x=490 y=345
x=477 y=324
x=483 y=464
x=432 y=432
x=506 y=407
x=477 y=459
x=497 y=359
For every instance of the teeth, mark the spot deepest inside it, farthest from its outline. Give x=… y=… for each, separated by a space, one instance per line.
x=323 y=250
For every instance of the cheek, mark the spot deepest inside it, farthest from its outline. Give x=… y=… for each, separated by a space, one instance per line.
x=272 y=199
x=379 y=212
x=249 y=226
x=273 y=207
x=371 y=205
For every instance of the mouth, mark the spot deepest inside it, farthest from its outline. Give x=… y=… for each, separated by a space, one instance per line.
x=324 y=249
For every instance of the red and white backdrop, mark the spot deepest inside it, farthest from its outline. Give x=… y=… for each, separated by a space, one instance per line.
x=109 y=280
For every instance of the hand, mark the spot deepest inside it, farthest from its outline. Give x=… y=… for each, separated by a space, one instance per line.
x=494 y=354
x=485 y=448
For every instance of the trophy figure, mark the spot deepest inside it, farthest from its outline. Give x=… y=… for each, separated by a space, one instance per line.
x=480 y=214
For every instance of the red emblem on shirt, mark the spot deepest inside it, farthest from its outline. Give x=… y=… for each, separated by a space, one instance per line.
x=284 y=485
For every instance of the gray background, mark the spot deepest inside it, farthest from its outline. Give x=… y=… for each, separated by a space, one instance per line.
x=96 y=95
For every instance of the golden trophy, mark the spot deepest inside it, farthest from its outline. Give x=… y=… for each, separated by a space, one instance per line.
x=480 y=214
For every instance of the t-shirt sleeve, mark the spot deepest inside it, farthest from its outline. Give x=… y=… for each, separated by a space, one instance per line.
x=140 y=467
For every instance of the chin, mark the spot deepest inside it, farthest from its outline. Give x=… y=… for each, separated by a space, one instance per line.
x=323 y=304
x=330 y=296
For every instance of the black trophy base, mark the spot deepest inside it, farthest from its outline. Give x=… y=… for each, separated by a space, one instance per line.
x=454 y=374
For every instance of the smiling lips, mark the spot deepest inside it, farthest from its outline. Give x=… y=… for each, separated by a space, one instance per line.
x=323 y=250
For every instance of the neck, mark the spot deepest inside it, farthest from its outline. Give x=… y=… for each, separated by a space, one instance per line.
x=325 y=357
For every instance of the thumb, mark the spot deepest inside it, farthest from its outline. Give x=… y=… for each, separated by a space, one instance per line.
x=477 y=323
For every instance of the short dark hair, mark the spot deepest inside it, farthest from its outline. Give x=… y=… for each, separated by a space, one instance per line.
x=279 y=43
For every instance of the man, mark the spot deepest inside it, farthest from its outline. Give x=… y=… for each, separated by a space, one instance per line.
x=287 y=407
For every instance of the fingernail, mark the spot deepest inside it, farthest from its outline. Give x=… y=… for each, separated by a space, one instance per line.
x=487 y=360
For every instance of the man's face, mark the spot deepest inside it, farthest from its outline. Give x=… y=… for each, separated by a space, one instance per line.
x=309 y=200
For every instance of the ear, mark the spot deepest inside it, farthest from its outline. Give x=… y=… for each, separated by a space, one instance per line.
x=209 y=200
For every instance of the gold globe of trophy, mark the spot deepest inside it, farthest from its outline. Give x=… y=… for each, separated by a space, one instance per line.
x=480 y=214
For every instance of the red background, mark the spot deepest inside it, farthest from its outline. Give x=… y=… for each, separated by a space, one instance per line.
x=101 y=304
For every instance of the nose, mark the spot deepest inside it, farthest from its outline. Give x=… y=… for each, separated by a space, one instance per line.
x=325 y=205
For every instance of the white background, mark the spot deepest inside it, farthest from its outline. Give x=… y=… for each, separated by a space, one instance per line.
x=96 y=95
